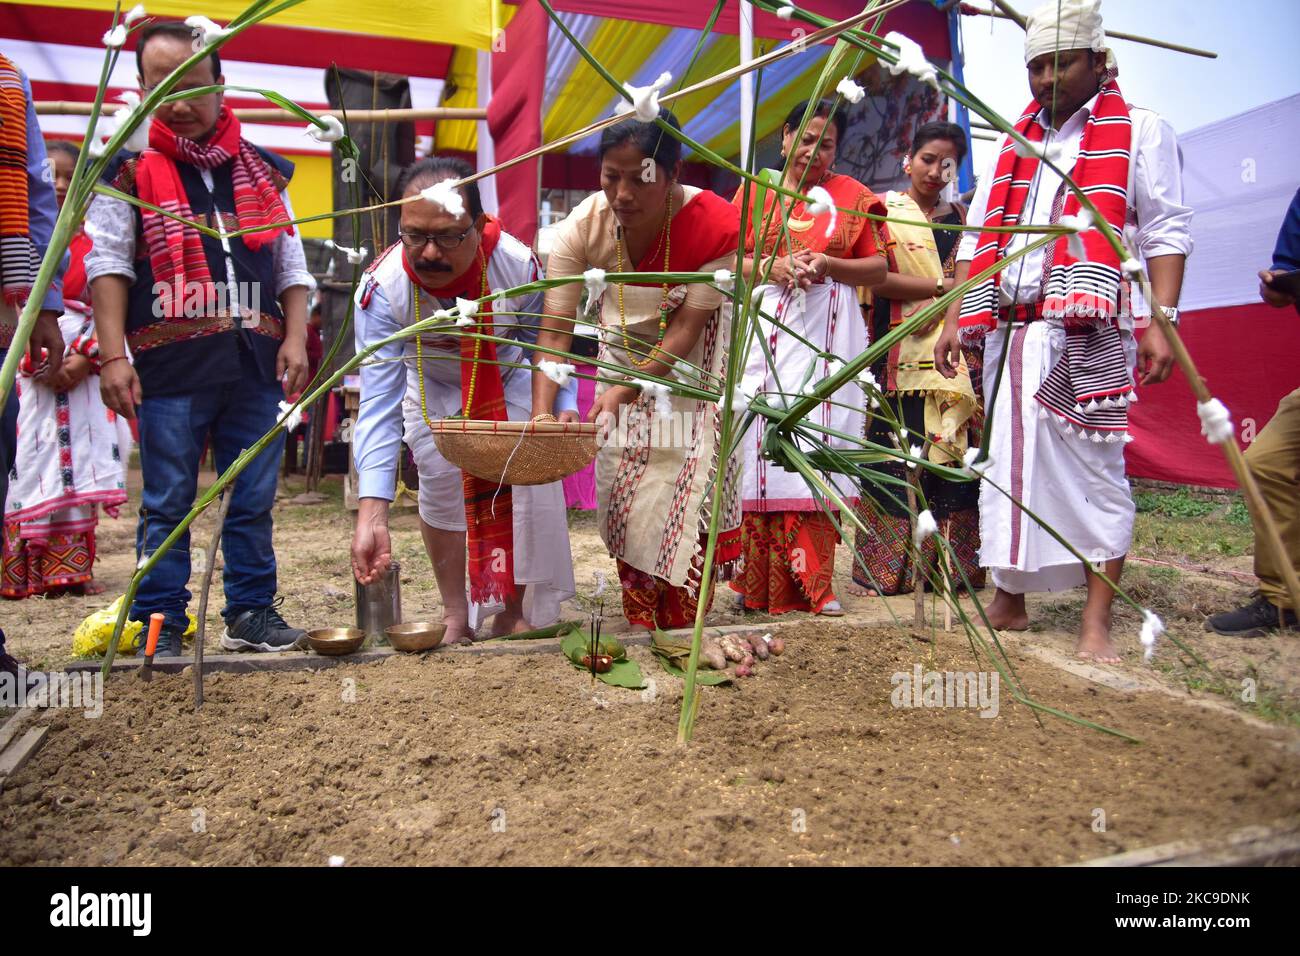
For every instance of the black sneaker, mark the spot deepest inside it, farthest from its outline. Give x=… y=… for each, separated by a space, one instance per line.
x=169 y=641
x=262 y=630
x=1259 y=618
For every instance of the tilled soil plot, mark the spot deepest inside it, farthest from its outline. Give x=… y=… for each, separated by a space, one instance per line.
x=453 y=759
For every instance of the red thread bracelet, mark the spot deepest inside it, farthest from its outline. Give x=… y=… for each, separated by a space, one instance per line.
x=103 y=362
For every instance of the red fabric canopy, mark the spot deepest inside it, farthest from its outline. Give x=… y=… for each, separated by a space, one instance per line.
x=1249 y=356
x=514 y=117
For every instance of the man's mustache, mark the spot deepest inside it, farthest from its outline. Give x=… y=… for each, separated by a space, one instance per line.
x=433 y=267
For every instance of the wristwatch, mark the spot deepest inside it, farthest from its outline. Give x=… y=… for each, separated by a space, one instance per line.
x=1171 y=313
x=938 y=287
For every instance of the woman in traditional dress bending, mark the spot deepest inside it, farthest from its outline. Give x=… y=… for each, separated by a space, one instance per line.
x=655 y=474
x=940 y=414
x=815 y=263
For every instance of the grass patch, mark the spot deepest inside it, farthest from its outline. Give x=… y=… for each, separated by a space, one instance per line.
x=1179 y=526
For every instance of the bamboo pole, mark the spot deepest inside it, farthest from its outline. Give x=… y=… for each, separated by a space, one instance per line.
x=276 y=115
x=202 y=630
x=1005 y=12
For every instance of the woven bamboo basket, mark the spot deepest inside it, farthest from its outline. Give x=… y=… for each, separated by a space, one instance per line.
x=517 y=453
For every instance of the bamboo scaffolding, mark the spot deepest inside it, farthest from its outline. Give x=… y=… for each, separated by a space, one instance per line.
x=1005 y=12
x=276 y=115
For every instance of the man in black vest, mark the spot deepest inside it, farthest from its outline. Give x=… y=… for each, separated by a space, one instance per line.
x=217 y=332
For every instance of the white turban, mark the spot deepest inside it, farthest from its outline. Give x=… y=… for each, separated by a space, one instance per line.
x=1066 y=25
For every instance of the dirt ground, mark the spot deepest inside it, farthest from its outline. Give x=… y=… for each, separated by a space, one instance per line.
x=312 y=542
x=454 y=759
x=447 y=759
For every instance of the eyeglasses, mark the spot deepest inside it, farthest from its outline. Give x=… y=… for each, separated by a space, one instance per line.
x=443 y=240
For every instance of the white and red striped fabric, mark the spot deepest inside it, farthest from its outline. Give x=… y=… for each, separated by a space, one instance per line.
x=61 y=49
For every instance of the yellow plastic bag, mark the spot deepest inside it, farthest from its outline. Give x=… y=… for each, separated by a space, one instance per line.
x=93 y=634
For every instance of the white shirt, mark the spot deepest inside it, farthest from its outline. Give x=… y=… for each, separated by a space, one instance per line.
x=385 y=306
x=110 y=224
x=1155 y=199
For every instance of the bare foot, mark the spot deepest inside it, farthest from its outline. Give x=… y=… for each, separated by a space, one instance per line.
x=1094 y=638
x=860 y=591
x=458 y=632
x=508 y=622
x=1006 y=612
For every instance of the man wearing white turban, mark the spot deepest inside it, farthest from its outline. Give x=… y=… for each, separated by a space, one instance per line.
x=1057 y=324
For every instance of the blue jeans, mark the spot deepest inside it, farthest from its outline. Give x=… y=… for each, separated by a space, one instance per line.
x=172 y=433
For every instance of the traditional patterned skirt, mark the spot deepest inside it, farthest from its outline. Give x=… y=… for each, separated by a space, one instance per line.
x=789 y=561
x=61 y=557
x=884 y=556
x=652 y=602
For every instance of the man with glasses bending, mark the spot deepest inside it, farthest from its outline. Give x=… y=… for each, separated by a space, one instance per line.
x=451 y=262
x=201 y=338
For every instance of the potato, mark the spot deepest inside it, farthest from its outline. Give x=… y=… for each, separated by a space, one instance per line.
x=760 y=647
x=777 y=646
x=743 y=670
x=711 y=653
x=731 y=648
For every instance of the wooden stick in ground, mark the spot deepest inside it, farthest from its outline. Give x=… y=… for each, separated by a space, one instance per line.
x=202 y=630
x=918 y=578
x=1266 y=526
x=949 y=594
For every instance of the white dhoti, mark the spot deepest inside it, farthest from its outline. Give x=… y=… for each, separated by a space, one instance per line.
x=1074 y=486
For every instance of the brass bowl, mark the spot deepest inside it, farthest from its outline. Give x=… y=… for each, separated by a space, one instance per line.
x=416 y=636
x=335 y=641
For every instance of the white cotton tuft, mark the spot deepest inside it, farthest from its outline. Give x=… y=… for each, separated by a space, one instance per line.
x=925 y=528
x=136 y=13
x=138 y=141
x=594 y=280
x=1078 y=223
x=645 y=99
x=724 y=279
x=354 y=256
x=911 y=59
x=662 y=396
x=115 y=37
x=740 y=398
x=557 y=372
x=290 y=417
x=468 y=308
x=850 y=91
x=208 y=32
x=336 y=861
x=822 y=201
x=785 y=13
x=915 y=451
x=1052 y=152
x=976 y=467
x=1216 y=424
x=1152 y=628
x=867 y=380
x=445 y=193
x=1131 y=268
x=332 y=133
x=600 y=583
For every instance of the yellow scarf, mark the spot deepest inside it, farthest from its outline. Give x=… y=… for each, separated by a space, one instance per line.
x=949 y=403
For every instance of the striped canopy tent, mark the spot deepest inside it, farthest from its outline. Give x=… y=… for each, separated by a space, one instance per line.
x=59 y=44
x=552 y=91
x=638 y=41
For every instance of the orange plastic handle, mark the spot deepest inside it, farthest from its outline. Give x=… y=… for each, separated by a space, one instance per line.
x=155 y=628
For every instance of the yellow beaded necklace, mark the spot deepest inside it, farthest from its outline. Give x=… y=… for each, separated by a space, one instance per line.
x=665 y=240
x=419 y=351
